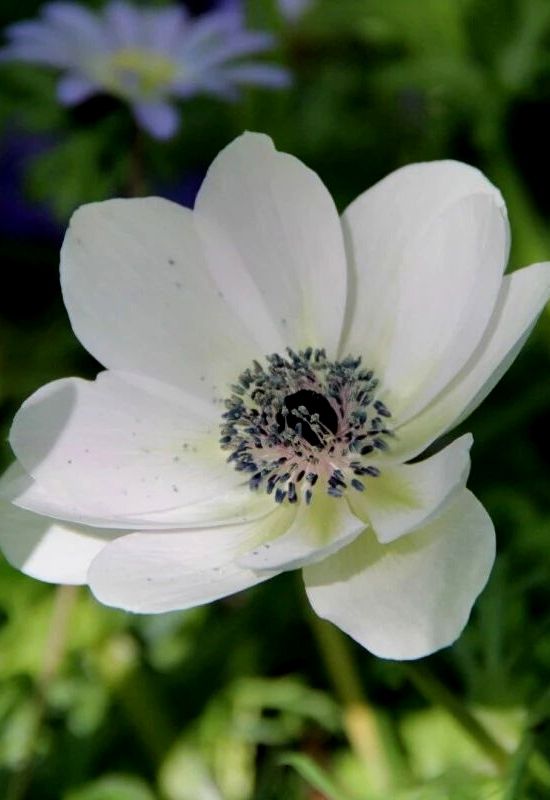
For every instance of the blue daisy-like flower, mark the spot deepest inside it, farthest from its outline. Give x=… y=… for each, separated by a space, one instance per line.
x=145 y=57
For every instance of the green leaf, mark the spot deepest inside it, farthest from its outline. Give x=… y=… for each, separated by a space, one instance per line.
x=522 y=57
x=431 y=27
x=314 y=775
x=185 y=775
x=86 y=166
x=113 y=787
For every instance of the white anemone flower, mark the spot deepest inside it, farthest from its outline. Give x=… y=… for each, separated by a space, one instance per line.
x=194 y=466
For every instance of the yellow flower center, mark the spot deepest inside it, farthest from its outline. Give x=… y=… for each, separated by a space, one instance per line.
x=134 y=72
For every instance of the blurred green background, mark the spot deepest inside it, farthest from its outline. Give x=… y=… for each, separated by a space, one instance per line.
x=235 y=701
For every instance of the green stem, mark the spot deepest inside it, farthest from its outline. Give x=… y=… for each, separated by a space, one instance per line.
x=119 y=666
x=517 y=772
x=362 y=727
x=537 y=763
x=539 y=768
x=54 y=650
x=505 y=762
x=526 y=763
x=428 y=685
x=137 y=184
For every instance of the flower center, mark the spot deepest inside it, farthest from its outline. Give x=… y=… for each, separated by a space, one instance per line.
x=303 y=421
x=135 y=72
x=298 y=410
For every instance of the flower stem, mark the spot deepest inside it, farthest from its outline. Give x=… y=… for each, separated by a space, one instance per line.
x=428 y=685
x=54 y=649
x=137 y=185
x=362 y=727
x=119 y=666
x=511 y=764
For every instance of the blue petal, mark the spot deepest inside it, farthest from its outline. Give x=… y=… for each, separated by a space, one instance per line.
x=164 y=28
x=75 y=22
x=124 y=24
x=73 y=89
x=243 y=44
x=158 y=118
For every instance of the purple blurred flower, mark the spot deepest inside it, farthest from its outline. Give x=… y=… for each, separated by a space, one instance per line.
x=146 y=57
x=293 y=9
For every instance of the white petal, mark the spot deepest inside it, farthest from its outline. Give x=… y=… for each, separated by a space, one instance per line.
x=428 y=246
x=49 y=550
x=140 y=298
x=237 y=505
x=120 y=446
x=317 y=531
x=154 y=572
x=523 y=296
x=412 y=597
x=406 y=496
x=288 y=260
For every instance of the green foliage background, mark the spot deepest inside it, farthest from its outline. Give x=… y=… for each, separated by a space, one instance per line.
x=234 y=701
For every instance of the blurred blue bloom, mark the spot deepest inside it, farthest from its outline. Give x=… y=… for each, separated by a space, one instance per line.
x=145 y=57
x=293 y=9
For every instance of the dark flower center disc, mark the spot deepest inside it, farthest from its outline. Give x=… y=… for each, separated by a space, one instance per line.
x=301 y=407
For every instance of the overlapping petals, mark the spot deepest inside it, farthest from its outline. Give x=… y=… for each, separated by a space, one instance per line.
x=413 y=596
x=278 y=252
x=443 y=248
x=409 y=495
x=310 y=534
x=149 y=304
x=122 y=483
x=124 y=451
x=49 y=549
x=161 y=571
x=522 y=296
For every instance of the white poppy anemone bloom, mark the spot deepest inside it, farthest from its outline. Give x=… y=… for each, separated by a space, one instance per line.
x=271 y=372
